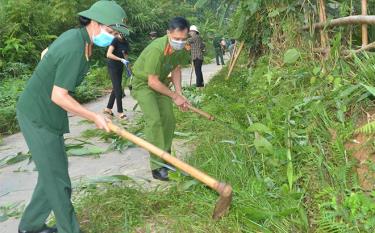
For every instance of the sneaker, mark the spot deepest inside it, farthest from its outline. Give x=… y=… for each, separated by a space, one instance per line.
x=160 y=174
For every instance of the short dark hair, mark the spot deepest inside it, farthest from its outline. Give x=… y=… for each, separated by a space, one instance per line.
x=83 y=21
x=178 y=23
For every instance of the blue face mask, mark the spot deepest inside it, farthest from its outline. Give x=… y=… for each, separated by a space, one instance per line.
x=104 y=39
x=177 y=44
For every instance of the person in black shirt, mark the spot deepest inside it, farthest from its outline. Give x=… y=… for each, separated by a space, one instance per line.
x=117 y=55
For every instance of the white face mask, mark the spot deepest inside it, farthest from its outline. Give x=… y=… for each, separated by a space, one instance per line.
x=177 y=44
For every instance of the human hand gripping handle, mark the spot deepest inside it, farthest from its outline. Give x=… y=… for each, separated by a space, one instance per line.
x=181 y=102
x=124 y=61
x=101 y=122
x=202 y=113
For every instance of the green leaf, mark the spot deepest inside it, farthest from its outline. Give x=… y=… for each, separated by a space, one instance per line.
x=189 y=184
x=13 y=159
x=200 y=4
x=181 y=134
x=290 y=174
x=108 y=179
x=316 y=70
x=263 y=146
x=269 y=76
x=92 y=150
x=253 y=6
x=241 y=25
x=291 y=56
x=258 y=214
x=370 y=89
x=260 y=128
x=274 y=13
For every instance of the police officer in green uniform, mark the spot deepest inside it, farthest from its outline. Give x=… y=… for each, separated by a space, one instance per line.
x=150 y=88
x=42 y=114
x=218 y=50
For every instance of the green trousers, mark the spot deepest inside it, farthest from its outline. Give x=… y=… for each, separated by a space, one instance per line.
x=53 y=189
x=160 y=121
x=219 y=54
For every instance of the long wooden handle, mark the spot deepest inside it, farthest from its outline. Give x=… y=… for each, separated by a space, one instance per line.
x=197 y=174
x=233 y=63
x=200 y=112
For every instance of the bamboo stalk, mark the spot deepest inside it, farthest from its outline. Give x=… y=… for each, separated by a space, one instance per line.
x=235 y=60
x=364 y=26
x=233 y=53
x=323 y=19
x=347 y=52
x=354 y=19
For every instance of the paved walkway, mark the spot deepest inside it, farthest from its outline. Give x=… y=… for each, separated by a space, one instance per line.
x=17 y=181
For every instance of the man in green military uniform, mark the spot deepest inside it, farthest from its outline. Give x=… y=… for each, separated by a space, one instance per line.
x=150 y=88
x=218 y=50
x=42 y=114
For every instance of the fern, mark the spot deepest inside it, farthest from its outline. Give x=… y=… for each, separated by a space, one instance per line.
x=368 y=128
x=328 y=224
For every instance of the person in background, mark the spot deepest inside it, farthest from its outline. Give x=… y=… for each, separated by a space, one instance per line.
x=42 y=114
x=197 y=49
x=150 y=88
x=218 y=50
x=223 y=44
x=153 y=35
x=117 y=55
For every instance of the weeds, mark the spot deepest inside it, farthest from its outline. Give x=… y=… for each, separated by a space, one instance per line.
x=284 y=154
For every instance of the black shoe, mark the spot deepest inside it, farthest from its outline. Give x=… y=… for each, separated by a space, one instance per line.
x=45 y=229
x=160 y=174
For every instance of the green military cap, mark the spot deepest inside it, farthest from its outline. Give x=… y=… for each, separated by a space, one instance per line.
x=108 y=13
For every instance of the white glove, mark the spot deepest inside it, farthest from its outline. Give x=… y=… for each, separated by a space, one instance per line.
x=124 y=61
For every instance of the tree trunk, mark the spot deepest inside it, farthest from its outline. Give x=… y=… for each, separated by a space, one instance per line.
x=355 y=19
x=323 y=19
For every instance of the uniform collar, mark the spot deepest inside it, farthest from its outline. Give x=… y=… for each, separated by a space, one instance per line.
x=168 y=50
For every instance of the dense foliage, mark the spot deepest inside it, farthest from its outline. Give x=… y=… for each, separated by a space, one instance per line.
x=285 y=119
x=29 y=26
x=284 y=122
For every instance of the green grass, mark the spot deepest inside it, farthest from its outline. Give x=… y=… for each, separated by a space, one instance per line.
x=279 y=140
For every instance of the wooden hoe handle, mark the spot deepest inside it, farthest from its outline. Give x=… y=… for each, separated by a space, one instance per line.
x=200 y=112
x=197 y=174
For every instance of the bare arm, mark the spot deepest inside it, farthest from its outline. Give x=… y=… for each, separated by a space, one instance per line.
x=110 y=54
x=61 y=97
x=155 y=84
x=176 y=79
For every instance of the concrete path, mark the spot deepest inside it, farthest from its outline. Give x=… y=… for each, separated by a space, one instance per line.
x=17 y=181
